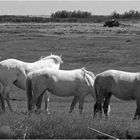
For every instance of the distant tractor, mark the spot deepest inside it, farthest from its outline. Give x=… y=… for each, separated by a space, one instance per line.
x=111 y=23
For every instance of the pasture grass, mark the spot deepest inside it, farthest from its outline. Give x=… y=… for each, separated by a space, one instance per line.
x=90 y=45
x=60 y=124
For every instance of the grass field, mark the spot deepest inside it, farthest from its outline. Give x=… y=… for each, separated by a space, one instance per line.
x=86 y=44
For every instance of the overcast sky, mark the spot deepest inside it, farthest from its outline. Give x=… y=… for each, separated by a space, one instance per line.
x=21 y=7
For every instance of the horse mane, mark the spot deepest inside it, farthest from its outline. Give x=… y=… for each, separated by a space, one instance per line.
x=52 y=56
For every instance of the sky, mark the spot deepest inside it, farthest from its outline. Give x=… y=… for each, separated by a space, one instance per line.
x=100 y=7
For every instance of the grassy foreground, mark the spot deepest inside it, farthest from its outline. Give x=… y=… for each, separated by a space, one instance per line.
x=60 y=124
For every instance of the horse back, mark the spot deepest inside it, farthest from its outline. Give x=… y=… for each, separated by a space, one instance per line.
x=59 y=82
x=12 y=64
x=123 y=85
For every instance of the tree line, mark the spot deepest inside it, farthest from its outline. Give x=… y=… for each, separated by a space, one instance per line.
x=126 y=15
x=70 y=16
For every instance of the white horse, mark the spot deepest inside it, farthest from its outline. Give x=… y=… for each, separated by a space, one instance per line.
x=123 y=85
x=14 y=71
x=77 y=83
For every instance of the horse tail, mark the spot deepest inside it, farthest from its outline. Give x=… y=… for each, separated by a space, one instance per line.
x=29 y=92
x=85 y=72
x=85 y=76
x=89 y=82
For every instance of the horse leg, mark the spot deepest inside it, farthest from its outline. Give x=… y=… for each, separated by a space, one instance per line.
x=47 y=99
x=39 y=102
x=137 y=113
x=3 y=104
x=0 y=96
x=98 y=105
x=0 y=102
x=73 y=104
x=8 y=102
x=98 y=110
x=81 y=103
x=106 y=106
x=4 y=95
x=35 y=98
